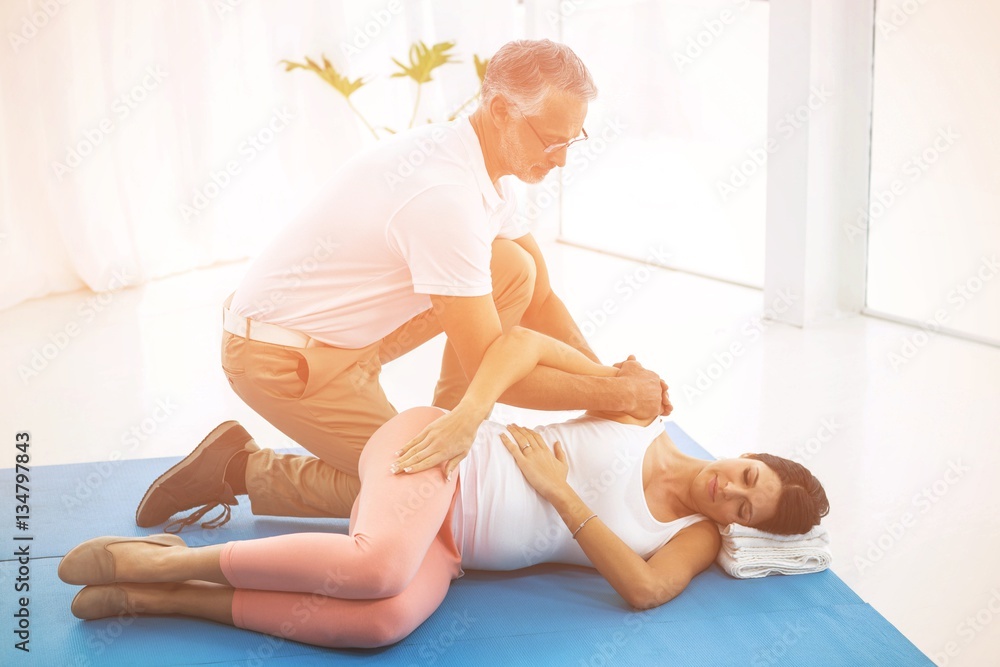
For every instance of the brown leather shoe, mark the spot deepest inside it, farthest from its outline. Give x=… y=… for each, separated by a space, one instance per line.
x=91 y=563
x=199 y=479
x=100 y=602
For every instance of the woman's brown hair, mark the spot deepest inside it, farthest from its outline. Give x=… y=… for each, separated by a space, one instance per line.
x=802 y=502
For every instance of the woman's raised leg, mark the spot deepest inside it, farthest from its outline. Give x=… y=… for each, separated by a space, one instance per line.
x=395 y=519
x=369 y=588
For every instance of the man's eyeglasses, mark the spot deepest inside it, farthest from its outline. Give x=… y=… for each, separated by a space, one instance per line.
x=552 y=148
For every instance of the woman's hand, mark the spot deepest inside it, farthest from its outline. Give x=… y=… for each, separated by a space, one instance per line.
x=544 y=469
x=447 y=438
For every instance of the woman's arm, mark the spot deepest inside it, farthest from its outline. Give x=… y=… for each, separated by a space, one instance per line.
x=507 y=360
x=643 y=584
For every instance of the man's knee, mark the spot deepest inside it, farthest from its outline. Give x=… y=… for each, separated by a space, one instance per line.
x=513 y=270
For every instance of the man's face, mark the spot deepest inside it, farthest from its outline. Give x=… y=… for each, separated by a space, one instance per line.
x=522 y=151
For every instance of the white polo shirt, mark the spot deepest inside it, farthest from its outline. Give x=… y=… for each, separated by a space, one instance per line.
x=414 y=215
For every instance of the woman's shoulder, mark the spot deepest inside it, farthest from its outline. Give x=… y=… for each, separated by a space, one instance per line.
x=703 y=527
x=700 y=536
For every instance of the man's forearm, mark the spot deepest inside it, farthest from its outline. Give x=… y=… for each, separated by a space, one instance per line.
x=512 y=357
x=553 y=319
x=547 y=388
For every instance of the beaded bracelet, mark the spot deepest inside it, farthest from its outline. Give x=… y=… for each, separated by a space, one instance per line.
x=582 y=525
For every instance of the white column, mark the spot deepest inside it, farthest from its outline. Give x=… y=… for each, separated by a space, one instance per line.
x=819 y=128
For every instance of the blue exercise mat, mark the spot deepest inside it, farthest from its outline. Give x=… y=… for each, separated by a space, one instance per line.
x=542 y=615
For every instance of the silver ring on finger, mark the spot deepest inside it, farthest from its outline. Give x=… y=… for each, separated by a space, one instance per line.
x=525 y=447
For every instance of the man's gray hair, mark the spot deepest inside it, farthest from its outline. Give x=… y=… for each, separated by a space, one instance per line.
x=525 y=71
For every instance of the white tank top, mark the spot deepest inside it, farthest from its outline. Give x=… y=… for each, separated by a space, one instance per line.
x=501 y=523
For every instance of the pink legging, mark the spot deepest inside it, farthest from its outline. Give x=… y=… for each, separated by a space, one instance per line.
x=371 y=587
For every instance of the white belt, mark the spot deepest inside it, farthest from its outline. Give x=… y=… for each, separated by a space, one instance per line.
x=264 y=332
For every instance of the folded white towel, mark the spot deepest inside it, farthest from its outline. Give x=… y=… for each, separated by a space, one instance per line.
x=748 y=553
x=736 y=531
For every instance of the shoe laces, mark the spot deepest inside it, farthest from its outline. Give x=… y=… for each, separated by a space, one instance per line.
x=227 y=502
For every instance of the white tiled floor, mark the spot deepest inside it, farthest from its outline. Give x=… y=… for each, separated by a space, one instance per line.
x=138 y=376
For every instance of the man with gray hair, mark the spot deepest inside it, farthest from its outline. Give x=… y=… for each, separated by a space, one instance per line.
x=414 y=236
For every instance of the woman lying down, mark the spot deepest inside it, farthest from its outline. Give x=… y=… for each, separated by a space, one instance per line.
x=601 y=490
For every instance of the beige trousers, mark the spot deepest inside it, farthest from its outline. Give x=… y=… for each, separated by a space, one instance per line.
x=329 y=399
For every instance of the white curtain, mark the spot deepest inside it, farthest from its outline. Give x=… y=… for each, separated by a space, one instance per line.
x=139 y=140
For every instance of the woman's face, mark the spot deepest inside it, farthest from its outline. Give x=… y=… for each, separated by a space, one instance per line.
x=741 y=490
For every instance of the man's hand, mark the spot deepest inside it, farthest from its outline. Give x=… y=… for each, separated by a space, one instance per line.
x=648 y=392
x=447 y=439
x=666 y=406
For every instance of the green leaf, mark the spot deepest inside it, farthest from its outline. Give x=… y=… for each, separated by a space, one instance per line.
x=424 y=60
x=328 y=73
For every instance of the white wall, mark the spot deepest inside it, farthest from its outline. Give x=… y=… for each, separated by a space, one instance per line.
x=934 y=223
